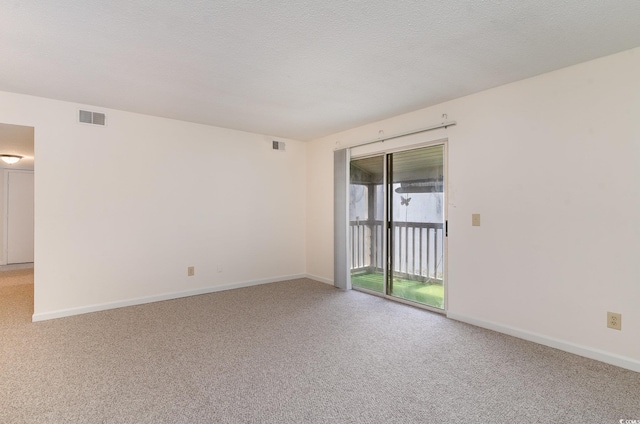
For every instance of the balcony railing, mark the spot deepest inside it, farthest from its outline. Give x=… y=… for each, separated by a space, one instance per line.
x=417 y=254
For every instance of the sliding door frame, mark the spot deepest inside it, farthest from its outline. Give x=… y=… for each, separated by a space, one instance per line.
x=385 y=239
x=384 y=220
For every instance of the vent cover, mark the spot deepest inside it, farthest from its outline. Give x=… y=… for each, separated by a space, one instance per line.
x=278 y=145
x=95 y=118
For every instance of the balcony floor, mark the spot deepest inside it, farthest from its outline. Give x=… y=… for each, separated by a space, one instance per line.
x=431 y=293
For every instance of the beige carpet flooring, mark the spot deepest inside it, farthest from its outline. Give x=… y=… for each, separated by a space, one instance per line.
x=291 y=352
x=16 y=277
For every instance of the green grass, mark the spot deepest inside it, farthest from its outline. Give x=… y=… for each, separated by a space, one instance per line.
x=425 y=293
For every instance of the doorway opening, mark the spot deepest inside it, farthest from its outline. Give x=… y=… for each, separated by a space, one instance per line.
x=17 y=215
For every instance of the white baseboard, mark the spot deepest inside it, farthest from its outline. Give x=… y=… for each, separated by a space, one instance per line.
x=13 y=267
x=156 y=298
x=587 y=352
x=321 y=279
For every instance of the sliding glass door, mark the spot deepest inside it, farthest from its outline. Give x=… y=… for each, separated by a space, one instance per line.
x=416 y=225
x=397 y=225
x=366 y=223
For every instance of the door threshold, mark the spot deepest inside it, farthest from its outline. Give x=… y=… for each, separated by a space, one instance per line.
x=401 y=300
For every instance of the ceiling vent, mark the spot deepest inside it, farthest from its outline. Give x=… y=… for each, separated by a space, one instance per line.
x=95 y=118
x=278 y=145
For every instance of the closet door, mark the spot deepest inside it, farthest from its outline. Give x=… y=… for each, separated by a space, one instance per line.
x=19 y=217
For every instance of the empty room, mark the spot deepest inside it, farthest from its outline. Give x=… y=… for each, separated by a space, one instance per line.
x=323 y=212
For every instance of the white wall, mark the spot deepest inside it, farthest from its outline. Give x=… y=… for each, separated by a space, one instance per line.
x=122 y=210
x=553 y=165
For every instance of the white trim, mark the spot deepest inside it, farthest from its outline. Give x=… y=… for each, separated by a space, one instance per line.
x=156 y=298
x=320 y=279
x=587 y=352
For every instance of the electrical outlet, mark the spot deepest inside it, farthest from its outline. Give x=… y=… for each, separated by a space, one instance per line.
x=614 y=320
x=191 y=271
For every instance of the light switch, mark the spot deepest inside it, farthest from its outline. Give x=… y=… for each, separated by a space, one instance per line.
x=475 y=219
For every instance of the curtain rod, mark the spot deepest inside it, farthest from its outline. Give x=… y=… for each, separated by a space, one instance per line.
x=380 y=140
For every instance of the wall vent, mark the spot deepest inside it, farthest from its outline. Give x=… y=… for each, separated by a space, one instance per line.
x=95 y=118
x=278 y=145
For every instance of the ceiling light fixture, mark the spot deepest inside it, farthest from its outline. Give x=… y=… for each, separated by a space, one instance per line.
x=10 y=159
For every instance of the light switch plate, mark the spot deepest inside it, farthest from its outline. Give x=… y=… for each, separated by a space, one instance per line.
x=475 y=219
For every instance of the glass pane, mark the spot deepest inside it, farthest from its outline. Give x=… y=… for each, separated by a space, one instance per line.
x=416 y=207
x=366 y=203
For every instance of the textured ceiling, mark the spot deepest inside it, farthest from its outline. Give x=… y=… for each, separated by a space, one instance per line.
x=298 y=69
